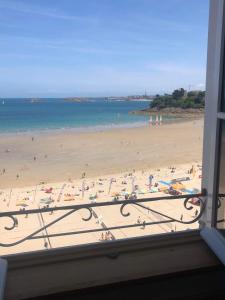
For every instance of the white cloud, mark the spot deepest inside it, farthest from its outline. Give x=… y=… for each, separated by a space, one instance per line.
x=175 y=68
x=26 y=8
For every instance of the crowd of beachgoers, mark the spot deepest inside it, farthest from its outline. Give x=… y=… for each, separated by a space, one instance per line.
x=137 y=184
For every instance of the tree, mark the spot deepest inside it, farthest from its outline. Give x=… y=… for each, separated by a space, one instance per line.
x=192 y=100
x=178 y=93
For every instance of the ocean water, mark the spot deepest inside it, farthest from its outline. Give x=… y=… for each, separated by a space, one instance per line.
x=20 y=115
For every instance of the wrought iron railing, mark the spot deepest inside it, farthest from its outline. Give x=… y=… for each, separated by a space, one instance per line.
x=41 y=233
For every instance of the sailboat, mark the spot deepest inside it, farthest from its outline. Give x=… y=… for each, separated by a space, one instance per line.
x=3 y=102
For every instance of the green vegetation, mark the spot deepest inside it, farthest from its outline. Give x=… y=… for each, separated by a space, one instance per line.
x=180 y=99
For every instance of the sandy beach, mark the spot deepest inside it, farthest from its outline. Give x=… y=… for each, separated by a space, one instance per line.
x=56 y=157
x=116 y=163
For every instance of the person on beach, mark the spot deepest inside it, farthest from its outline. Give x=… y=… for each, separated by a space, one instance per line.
x=17 y=176
x=150 y=178
x=144 y=224
x=16 y=222
x=3 y=171
x=139 y=220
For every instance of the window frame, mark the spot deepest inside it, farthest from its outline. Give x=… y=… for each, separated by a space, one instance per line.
x=213 y=91
x=213 y=117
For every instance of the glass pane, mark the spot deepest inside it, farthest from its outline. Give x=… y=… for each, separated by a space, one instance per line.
x=100 y=101
x=221 y=188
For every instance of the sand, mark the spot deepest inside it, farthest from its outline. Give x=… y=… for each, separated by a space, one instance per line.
x=128 y=156
x=57 y=157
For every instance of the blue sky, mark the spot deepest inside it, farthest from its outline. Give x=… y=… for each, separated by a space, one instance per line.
x=55 y=48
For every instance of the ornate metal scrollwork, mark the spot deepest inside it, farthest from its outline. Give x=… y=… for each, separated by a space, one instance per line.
x=186 y=206
x=42 y=233
x=221 y=197
x=15 y=223
x=33 y=234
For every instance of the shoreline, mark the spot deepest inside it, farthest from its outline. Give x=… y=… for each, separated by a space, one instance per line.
x=75 y=130
x=173 y=119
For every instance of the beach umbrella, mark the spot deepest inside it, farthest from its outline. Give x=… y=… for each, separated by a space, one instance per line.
x=124 y=193
x=46 y=200
x=178 y=186
x=154 y=190
x=69 y=198
x=115 y=194
x=91 y=197
x=21 y=203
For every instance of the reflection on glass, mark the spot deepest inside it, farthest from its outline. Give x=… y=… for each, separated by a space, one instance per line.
x=221 y=187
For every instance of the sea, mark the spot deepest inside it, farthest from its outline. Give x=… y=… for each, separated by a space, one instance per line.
x=43 y=115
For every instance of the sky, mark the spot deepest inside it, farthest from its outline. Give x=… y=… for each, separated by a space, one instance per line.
x=55 y=48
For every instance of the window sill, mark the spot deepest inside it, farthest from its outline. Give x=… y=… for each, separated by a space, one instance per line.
x=77 y=267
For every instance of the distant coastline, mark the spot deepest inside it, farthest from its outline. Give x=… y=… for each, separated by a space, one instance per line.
x=171 y=111
x=178 y=104
x=140 y=98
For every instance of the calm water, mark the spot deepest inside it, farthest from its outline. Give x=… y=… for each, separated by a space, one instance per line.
x=18 y=115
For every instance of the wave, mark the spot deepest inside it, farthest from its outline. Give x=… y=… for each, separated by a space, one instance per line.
x=94 y=128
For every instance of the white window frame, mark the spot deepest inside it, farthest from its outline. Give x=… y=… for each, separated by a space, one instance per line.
x=213 y=116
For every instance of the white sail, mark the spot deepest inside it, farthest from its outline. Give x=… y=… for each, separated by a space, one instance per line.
x=160 y=119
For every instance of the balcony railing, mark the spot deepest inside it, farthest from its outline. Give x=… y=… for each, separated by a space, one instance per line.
x=41 y=233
